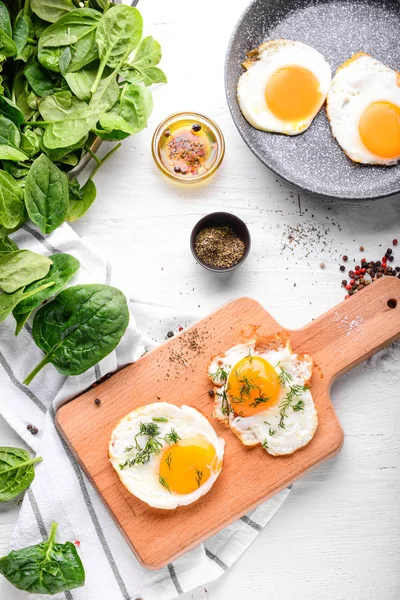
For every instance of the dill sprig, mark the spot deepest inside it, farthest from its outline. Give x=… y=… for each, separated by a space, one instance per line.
x=164 y=483
x=225 y=406
x=265 y=444
x=259 y=400
x=199 y=477
x=220 y=374
x=247 y=385
x=285 y=378
x=172 y=437
x=160 y=419
x=152 y=447
x=294 y=393
x=272 y=431
x=168 y=460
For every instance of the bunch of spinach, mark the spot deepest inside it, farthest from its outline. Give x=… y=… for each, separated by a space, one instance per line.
x=68 y=72
x=16 y=471
x=46 y=568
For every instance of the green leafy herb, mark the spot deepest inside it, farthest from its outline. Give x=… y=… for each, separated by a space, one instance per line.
x=247 y=385
x=79 y=328
x=265 y=444
x=7 y=245
x=299 y=406
x=272 y=431
x=21 y=268
x=199 y=477
x=51 y=10
x=168 y=460
x=9 y=301
x=12 y=208
x=46 y=194
x=16 y=471
x=47 y=568
x=172 y=437
x=220 y=374
x=225 y=406
x=160 y=419
x=285 y=378
x=294 y=393
x=260 y=400
x=164 y=483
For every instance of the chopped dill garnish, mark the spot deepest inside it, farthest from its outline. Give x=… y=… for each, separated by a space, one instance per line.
x=225 y=406
x=160 y=419
x=199 y=477
x=299 y=406
x=168 y=460
x=284 y=377
x=247 y=386
x=259 y=400
x=220 y=374
x=293 y=394
x=164 y=483
x=172 y=437
x=236 y=400
x=272 y=431
x=265 y=444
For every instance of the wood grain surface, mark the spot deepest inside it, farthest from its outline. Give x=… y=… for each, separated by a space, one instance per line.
x=176 y=373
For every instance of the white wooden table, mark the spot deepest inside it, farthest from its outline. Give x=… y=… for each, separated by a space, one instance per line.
x=337 y=536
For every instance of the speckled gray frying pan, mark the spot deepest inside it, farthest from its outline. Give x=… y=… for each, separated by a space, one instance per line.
x=313 y=160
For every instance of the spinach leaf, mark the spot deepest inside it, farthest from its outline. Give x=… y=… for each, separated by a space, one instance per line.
x=148 y=53
x=39 y=80
x=118 y=34
x=113 y=135
x=9 y=110
x=51 y=10
x=75 y=31
x=81 y=81
x=9 y=301
x=148 y=75
x=46 y=194
x=10 y=139
x=80 y=200
x=16 y=169
x=47 y=568
x=12 y=209
x=132 y=111
x=70 y=120
x=7 y=245
x=57 y=154
x=60 y=273
x=20 y=321
x=105 y=95
x=20 y=268
x=16 y=471
x=79 y=328
x=22 y=34
x=30 y=143
x=7 y=45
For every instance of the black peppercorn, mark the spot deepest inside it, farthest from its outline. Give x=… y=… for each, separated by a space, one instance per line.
x=342 y=268
x=389 y=251
x=196 y=127
x=177 y=169
x=391 y=257
x=29 y=427
x=344 y=281
x=211 y=393
x=345 y=258
x=34 y=430
x=170 y=334
x=97 y=402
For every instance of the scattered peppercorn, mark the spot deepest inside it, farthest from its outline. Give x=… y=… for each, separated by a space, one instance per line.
x=219 y=246
x=361 y=248
x=322 y=265
x=29 y=427
x=97 y=402
x=180 y=328
x=389 y=251
x=167 y=133
x=34 y=430
x=77 y=543
x=170 y=334
x=344 y=282
x=177 y=169
x=345 y=258
x=196 y=127
x=211 y=393
x=342 y=268
x=395 y=242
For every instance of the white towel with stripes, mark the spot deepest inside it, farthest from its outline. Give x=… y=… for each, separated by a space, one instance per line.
x=60 y=491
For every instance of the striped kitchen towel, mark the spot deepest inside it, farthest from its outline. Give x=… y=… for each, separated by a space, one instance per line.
x=60 y=491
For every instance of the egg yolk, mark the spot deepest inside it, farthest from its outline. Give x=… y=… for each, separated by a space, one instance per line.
x=292 y=93
x=379 y=129
x=253 y=386
x=187 y=465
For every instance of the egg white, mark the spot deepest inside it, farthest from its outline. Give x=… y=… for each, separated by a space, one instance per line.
x=264 y=427
x=143 y=480
x=357 y=84
x=274 y=55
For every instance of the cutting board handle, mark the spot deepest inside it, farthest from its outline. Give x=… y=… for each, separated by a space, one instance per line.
x=353 y=330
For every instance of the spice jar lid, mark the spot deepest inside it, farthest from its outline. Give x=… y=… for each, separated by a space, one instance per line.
x=188 y=147
x=218 y=220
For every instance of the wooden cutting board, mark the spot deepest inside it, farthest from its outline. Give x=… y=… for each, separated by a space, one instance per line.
x=176 y=372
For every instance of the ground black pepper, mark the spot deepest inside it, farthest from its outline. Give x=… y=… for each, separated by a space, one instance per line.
x=219 y=246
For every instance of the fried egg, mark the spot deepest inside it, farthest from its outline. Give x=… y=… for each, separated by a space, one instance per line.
x=166 y=455
x=363 y=107
x=284 y=86
x=262 y=392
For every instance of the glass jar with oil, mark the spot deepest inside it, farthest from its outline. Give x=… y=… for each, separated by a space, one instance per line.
x=188 y=147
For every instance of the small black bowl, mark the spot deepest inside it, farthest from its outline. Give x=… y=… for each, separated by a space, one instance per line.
x=221 y=218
